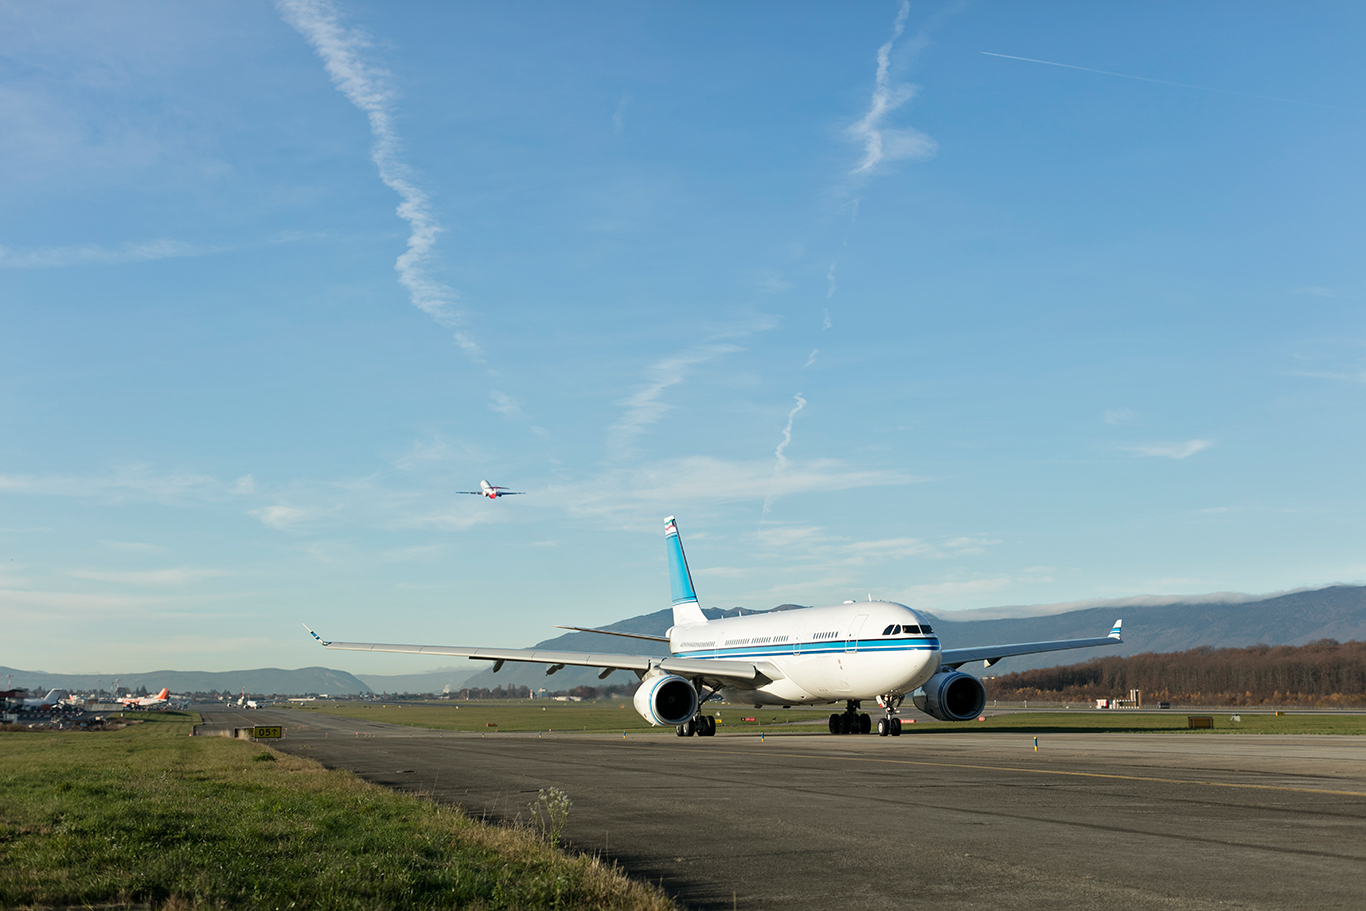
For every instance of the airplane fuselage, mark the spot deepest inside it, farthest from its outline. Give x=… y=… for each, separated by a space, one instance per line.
x=859 y=650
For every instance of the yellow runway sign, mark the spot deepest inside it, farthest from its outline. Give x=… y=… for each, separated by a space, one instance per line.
x=262 y=733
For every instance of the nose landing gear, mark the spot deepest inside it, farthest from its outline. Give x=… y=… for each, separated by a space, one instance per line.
x=890 y=725
x=850 y=721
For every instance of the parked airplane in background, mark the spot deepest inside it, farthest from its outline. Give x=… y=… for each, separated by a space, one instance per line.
x=492 y=491
x=52 y=698
x=144 y=702
x=855 y=652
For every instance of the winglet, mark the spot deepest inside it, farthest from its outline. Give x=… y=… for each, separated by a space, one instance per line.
x=315 y=635
x=1115 y=632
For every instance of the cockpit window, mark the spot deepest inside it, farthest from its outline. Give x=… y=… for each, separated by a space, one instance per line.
x=888 y=631
x=926 y=630
x=912 y=630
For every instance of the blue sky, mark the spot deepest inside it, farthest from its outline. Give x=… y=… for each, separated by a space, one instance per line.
x=870 y=310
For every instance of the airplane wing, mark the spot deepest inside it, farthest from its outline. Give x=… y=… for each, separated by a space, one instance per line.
x=612 y=632
x=510 y=493
x=473 y=493
x=710 y=670
x=990 y=654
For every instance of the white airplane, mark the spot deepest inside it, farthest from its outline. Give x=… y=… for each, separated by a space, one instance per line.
x=492 y=491
x=143 y=702
x=52 y=698
x=854 y=652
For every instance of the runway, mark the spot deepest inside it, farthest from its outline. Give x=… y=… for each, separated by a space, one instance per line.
x=961 y=821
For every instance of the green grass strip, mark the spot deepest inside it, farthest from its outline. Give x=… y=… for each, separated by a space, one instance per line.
x=152 y=817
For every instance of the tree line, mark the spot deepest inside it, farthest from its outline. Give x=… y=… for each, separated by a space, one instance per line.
x=1322 y=673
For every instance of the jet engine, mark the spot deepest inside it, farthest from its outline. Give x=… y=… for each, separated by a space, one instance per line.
x=952 y=696
x=666 y=700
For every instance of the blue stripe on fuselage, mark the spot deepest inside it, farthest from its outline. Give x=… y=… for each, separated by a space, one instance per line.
x=813 y=648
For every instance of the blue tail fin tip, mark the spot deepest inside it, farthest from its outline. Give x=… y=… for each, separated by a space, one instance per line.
x=686 y=608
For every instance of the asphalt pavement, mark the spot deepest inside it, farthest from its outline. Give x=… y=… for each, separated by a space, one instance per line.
x=949 y=821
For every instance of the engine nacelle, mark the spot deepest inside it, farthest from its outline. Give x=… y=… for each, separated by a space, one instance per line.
x=952 y=696
x=666 y=700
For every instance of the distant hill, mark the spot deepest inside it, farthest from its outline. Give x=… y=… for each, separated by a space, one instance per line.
x=1338 y=612
x=1322 y=673
x=264 y=680
x=427 y=682
x=1299 y=618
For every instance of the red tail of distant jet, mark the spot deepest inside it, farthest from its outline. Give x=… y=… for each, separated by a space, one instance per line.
x=492 y=491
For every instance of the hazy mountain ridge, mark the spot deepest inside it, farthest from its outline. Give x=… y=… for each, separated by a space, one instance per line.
x=258 y=680
x=1337 y=612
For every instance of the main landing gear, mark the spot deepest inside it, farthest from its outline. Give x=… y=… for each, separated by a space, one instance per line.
x=701 y=725
x=850 y=721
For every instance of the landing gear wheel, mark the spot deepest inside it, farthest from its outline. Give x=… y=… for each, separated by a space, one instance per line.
x=865 y=724
x=896 y=727
x=835 y=725
x=681 y=730
x=706 y=726
x=884 y=727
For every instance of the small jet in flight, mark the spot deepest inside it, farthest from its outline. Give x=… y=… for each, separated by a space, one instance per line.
x=492 y=491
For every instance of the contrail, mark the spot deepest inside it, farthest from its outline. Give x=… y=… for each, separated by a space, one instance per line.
x=787 y=438
x=366 y=86
x=881 y=144
x=1179 y=85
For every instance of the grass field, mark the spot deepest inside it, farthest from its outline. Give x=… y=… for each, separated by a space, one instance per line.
x=487 y=716
x=151 y=817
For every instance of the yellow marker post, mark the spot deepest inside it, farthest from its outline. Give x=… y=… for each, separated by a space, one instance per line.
x=1036 y=744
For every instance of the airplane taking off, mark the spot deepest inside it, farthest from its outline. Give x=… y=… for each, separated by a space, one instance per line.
x=855 y=652
x=146 y=701
x=492 y=491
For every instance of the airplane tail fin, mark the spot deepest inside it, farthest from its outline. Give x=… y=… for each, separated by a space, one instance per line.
x=1116 y=631
x=165 y=691
x=686 y=608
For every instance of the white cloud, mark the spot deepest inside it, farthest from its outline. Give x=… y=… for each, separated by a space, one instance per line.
x=689 y=481
x=1170 y=450
x=244 y=485
x=643 y=408
x=1119 y=416
x=825 y=321
x=829 y=289
x=281 y=517
x=93 y=254
x=156 y=577
x=134 y=482
x=367 y=87
x=811 y=358
x=881 y=143
x=506 y=405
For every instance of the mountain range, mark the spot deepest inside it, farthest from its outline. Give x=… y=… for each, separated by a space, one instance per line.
x=1337 y=612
